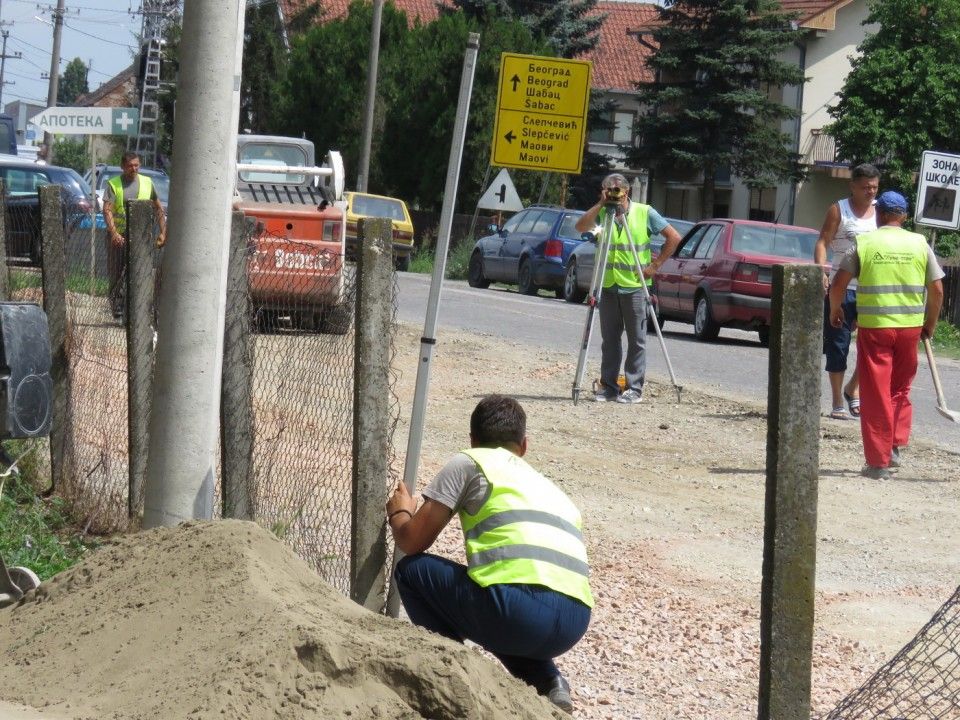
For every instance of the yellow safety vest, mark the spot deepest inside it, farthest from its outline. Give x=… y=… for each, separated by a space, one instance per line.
x=144 y=192
x=621 y=263
x=892 y=280
x=528 y=531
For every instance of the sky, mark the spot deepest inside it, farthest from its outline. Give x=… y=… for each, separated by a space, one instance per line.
x=99 y=32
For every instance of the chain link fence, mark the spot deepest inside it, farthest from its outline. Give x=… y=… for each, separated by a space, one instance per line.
x=921 y=682
x=296 y=343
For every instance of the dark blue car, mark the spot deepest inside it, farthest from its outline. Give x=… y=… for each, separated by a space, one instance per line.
x=530 y=250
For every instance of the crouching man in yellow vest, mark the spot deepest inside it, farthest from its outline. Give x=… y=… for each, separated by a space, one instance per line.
x=524 y=594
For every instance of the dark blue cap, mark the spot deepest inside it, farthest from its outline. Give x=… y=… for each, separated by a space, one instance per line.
x=892 y=201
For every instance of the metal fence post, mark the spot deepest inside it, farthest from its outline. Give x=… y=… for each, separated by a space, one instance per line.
x=4 y=270
x=236 y=391
x=371 y=414
x=141 y=240
x=790 y=517
x=53 y=246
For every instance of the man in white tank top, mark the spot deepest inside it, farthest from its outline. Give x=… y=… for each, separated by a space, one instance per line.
x=845 y=220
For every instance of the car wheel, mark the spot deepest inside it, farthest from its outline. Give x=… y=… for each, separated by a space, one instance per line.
x=525 y=283
x=704 y=326
x=475 y=276
x=402 y=262
x=571 y=288
x=764 y=332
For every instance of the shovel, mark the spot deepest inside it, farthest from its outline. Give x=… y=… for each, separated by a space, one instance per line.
x=941 y=401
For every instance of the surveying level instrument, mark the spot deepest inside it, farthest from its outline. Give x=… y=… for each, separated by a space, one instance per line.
x=614 y=215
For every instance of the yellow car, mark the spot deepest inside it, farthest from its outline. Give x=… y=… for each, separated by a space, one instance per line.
x=362 y=205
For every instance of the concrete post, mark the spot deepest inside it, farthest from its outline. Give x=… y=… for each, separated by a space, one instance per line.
x=140 y=298
x=4 y=270
x=184 y=417
x=790 y=518
x=53 y=249
x=371 y=413
x=236 y=412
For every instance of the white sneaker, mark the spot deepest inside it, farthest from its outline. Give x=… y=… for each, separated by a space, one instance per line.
x=605 y=396
x=630 y=397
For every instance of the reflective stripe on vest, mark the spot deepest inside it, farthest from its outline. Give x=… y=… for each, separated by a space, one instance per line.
x=621 y=263
x=144 y=192
x=893 y=271
x=527 y=532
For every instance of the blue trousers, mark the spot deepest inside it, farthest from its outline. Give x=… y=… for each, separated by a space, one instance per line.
x=525 y=626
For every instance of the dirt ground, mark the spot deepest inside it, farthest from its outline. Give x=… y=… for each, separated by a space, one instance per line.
x=672 y=496
x=198 y=623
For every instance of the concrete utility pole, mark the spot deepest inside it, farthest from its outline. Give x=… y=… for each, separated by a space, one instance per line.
x=363 y=176
x=54 y=70
x=184 y=417
x=3 y=60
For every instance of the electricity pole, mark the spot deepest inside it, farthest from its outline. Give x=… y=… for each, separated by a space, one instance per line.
x=54 y=71
x=3 y=60
x=364 y=175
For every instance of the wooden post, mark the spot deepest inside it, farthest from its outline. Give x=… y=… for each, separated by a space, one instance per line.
x=236 y=390
x=371 y=413
x=141 y=239
x=53 y=246
x=790 y=521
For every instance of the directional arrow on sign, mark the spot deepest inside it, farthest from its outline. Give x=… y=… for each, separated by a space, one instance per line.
x=516 y=81
x=509 y=137
x=501 y=195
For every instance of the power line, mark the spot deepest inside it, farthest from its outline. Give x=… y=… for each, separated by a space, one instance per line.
x=97 y=37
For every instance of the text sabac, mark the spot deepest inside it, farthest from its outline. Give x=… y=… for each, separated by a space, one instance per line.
x=71 y=121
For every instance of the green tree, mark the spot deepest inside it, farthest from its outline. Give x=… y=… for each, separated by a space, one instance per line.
x=72 y=153
x=713 y=103
x=902 y=95
x=72 y=83
x=569 y=27
x=264 y=67
x=418 y=130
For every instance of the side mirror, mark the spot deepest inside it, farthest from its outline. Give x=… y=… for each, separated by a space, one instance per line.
x=588 y=237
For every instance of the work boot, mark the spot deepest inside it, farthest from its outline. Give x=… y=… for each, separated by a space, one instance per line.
x=558 y=692
x=894 y=458
x=875 y=473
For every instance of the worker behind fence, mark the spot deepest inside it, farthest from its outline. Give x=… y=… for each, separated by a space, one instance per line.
x=623 y=307
x=127 y=186
x=898 y=303
x=524 y=594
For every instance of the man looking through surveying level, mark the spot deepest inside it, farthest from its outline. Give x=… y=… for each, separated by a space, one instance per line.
x=623 y=304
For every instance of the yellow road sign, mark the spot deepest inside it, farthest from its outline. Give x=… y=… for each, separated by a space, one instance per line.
x=541 y=121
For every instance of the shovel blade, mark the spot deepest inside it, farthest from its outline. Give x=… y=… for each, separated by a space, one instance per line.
x=949 y=414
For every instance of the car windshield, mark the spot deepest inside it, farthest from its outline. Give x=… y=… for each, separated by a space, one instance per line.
x=778 y=241
x=681 y=226
x=377 y=207
x=272 y=154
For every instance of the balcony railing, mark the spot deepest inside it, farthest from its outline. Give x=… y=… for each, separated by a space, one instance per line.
x=821 y=149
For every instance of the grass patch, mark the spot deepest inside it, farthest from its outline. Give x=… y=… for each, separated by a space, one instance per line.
x=946 y=339
x=458 y=259
x=76 y=283
x=36 y=532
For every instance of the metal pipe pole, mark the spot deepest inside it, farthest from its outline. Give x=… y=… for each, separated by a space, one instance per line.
x=418 y=414
x=367 y=139
x=54 y=71
x=184 y=417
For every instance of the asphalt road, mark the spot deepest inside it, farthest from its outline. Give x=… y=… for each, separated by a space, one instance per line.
x=734 y=364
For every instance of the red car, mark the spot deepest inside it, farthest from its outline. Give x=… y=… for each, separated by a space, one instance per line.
x=720 y=274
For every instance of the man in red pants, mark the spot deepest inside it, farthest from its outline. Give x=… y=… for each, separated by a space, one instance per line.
x=894 y=267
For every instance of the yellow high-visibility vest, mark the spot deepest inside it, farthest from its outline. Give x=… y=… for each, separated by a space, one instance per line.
x=892 y=280
x=144 y=192
x=621 y=262
x=527 y=532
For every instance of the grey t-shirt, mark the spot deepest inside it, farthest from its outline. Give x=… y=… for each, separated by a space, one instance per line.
x=460 y=484
x=851 y=263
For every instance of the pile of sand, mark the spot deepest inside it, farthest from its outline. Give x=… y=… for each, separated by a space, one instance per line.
x=214 y=620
